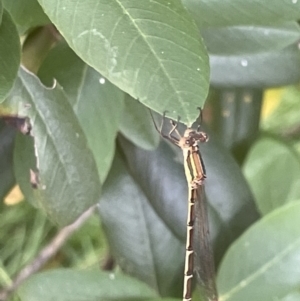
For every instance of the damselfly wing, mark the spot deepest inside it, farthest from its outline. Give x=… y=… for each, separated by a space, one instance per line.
x=204 y=268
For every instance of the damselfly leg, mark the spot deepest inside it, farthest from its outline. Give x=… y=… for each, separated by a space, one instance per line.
x=169 y=137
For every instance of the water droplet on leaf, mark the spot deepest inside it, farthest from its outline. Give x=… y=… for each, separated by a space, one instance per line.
x=244 y=63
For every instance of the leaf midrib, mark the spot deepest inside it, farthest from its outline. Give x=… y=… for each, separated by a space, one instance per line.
x=153 y=52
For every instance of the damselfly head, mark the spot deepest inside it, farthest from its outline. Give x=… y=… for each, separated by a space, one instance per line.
x=195 y=135
x=201 y=136
x=192 y=137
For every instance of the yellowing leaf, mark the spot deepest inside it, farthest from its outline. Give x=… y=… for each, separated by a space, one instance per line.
x=14 y=197
x=271 y=100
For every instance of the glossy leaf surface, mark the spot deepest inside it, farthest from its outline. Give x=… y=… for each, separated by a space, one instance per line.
x=263 y=263
x=260 y=70
x=66 y=184
x=9 y=54
x=71 y=285
x=141 y=242
x=234 y=40
x=150 y=49
x=237 y=12
x=96 y=102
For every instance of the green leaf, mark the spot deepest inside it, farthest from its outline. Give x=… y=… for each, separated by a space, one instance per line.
x=96 y=102
x=1 y=11
x=238 y=12
x=263 y=263
x=7 y=135
x=71 y=285
x=9 y=53
x=137 y=125
x=67 y=179
x=140 y=240
x=256 y=70
x=241 y=40
x=161 y=176
x=26 y=13
x=272 y=169
x=285 y=118
x=150 y=49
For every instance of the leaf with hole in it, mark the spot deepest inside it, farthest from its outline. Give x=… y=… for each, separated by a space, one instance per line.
x=72 y=285
x=263 y=264
x=210 y=13
x=137 y=125
x=97 y=103
x=9 y=53
x=242 y=40
x=259 y=70
x=150 y=49
x=272 y=169
x=26 y=14
x=64 y=173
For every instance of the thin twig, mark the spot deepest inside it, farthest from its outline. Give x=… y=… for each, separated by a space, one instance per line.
x=46 y=253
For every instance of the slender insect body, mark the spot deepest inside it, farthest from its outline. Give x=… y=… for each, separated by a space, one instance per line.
x=195 y=175
x=189 y=249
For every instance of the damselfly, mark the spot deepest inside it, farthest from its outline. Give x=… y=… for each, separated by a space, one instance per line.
x=197 y=241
